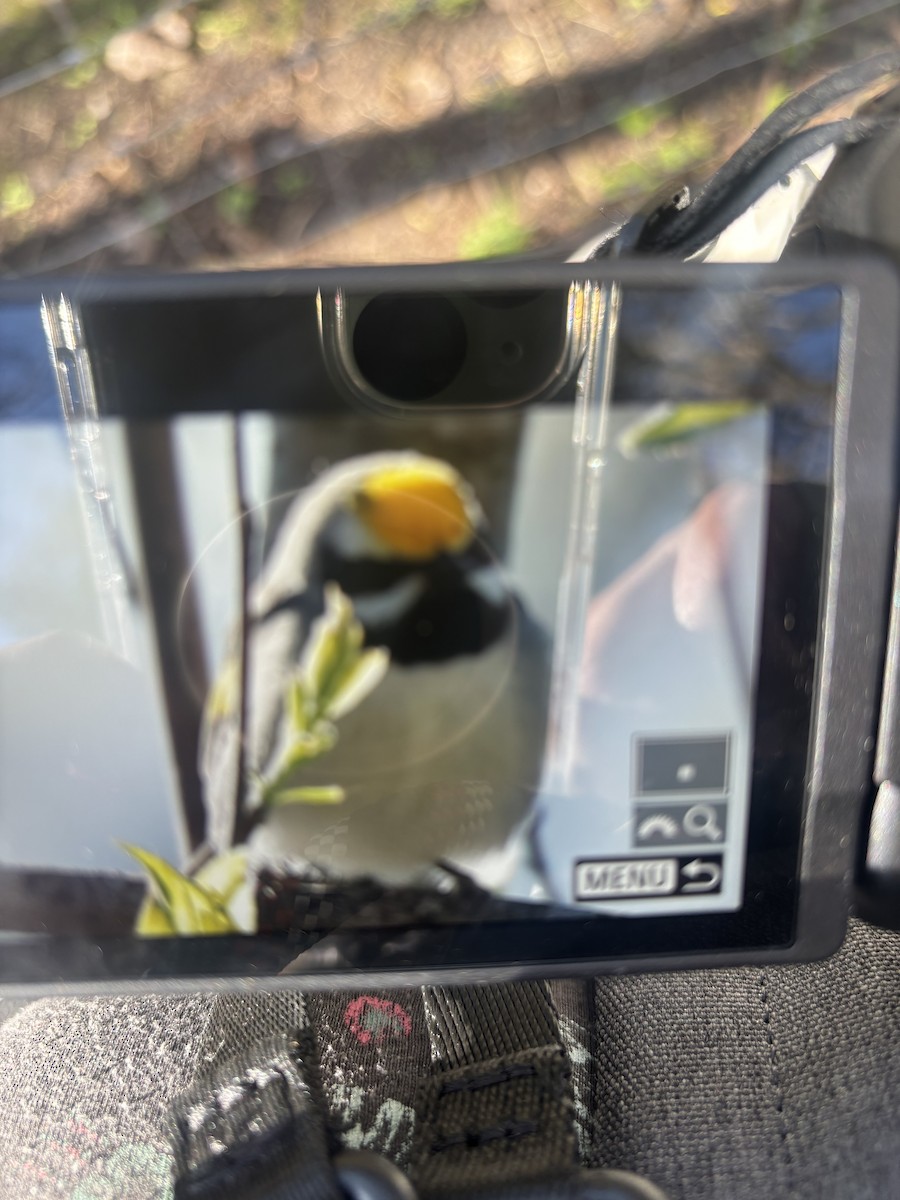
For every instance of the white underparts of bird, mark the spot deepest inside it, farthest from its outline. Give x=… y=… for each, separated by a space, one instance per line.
x=440 y=759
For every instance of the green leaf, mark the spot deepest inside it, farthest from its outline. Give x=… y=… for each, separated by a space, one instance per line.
x=300 y=705
x=308 y=746
x=335 y=673
x=668 y=426
x=357 y=681
x=229 y=881
x=153 y=920
x=223 y=875
x=326 y=651
x=188 y=907
x=306 y=795
x=302 y=750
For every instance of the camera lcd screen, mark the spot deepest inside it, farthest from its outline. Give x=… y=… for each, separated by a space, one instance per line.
x=510 y=660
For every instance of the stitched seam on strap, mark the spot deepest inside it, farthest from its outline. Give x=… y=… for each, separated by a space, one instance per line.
x=510 y=1130
x=489 y=1079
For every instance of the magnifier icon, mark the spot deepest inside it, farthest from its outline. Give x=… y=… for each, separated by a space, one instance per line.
x=700 y=822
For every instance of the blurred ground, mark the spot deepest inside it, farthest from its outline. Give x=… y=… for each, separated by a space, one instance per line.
x=219 y=133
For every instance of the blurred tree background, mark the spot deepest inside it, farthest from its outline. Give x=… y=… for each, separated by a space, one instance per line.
x=258 y=133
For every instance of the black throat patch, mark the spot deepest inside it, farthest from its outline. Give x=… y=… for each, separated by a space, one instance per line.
x=447 y=616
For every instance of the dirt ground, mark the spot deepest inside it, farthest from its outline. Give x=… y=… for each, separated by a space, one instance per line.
x=142 y=133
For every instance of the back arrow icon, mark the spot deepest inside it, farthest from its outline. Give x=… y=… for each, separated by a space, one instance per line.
x=706 y=876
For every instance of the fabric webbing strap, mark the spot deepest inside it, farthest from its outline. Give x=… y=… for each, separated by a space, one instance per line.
x=498 y=1109
x=255 y=1128
x=493 y=1121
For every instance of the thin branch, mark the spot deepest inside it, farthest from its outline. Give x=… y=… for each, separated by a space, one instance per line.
x=240 y=824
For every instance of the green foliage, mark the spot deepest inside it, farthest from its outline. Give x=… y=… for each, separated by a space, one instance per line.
x=237 y=203
x=368 y=14
x=775 y=97
x=232 y=26
x=401 y=12
x=639 y=122
x=15 y=11
x=628 y=177
x=209 y=903
x=285 y=22
x=497 y=233
x=220 y=26
x=668 y=426
x=97 y=22
x=31 y=32
x=451 y=9
x=16 y=195
x=120 y=13
x=291 y=180
x=28 y=34
x=305 y=744
x=336 y=674
x=80 y=76
x=83 y=130
x=690 y=145
x=307 y=795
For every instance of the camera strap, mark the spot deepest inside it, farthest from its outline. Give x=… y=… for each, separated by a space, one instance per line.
x=493 y=1118
x=255 y=1127
x=497 y=1111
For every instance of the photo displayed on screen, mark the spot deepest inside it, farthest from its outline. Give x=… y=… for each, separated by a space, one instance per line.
x=261 y=669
